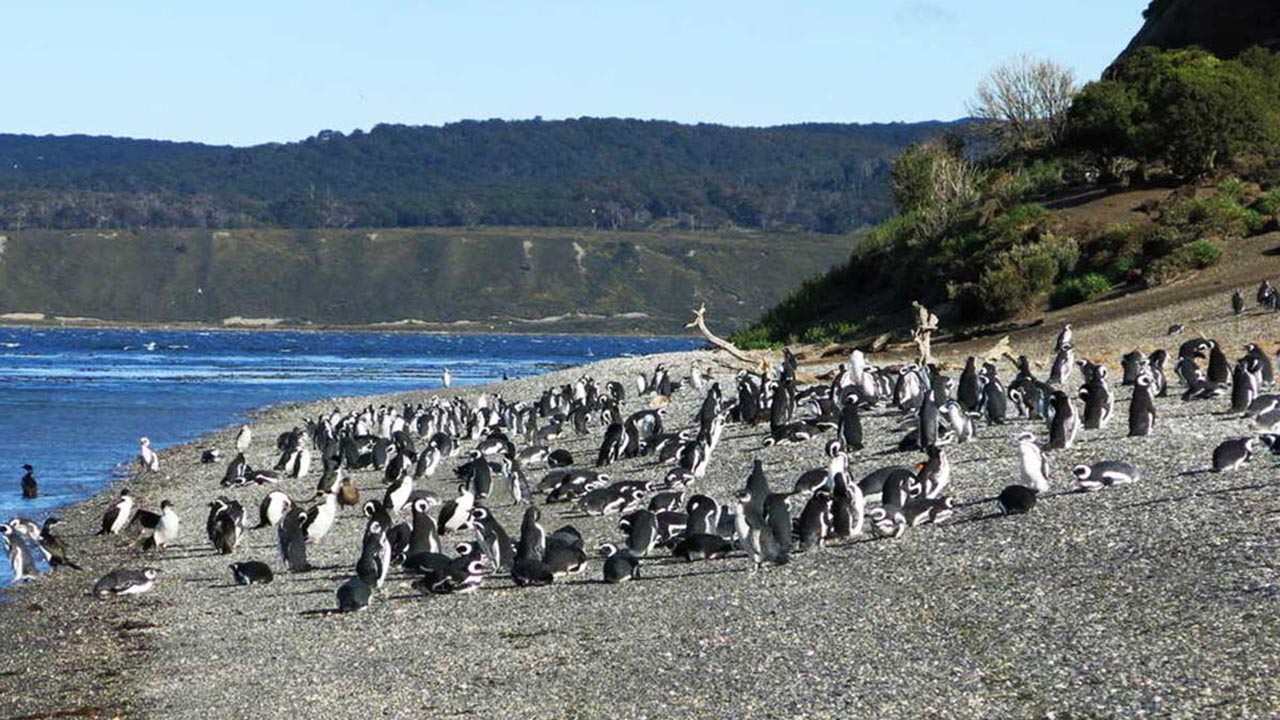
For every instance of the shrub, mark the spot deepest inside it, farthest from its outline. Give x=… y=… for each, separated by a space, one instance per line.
x=1194 y=255
x=817 y=335
x=1234 y=188
x=1078 y=290
x=755 y=337
x=1020 y=277
x=1268 y=203
x=1222 y=216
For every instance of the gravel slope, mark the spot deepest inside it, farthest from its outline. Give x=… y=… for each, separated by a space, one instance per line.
x=1158 y=599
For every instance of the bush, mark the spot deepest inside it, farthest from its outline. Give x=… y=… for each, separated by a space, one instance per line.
x=1020 y=277
x=1222 y=216
x=1078 y=290
x=1195 y=255
x=755 y=337
x=1233 y=188
x=817 y=335
x=1268 y=203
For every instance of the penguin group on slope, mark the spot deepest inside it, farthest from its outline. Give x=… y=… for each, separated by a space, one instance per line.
x=487 y=449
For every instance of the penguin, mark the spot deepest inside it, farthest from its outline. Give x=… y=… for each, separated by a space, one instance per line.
x=1064 y=340
x=125 y=582
x=815 y=521
x=1142 y=409
x=446 y=378
x=210 y=456
x=564 y=552
x=1016 y=500
x=424 y=537
x=30 y=488
x=455 y=514
x=1103 y=474
x=967 y=391
x=291 y=540
x=1244 y=384
x=21 y=563
x=1264 y=363
x=397 y=495
x=1098 y=401
x=244 y=438
x=320 y=517
x=757 y=535
x=162 y=526
x=1131 y=366
x=1063 y=361
x=619 y=565
x=147 y=458
x=375 y=554
x=1064 y=424
x=251 y=572
x=1233 y=454
x=119 y=515
x=1237 y=302
x=559 y=458
x=355 y=593
x=1034 y=467
x=272 y=508
x=702 y=546
x=704 y=515
x=935 y=472
x=666 y=502
x=223 y=524
x=236 y=471
x=1219 y=371
x=54 y=549
x=493 y=539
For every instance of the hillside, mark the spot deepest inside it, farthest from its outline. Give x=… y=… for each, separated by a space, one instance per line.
x=1224 y=28
x=511 y=279
x=607 y=173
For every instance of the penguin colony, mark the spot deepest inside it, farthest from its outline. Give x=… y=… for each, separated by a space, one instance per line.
x=446 y=464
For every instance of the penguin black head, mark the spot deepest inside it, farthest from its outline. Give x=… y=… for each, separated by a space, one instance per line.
x=28 y=468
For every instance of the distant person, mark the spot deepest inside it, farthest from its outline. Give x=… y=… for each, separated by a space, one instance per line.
x=30 y=489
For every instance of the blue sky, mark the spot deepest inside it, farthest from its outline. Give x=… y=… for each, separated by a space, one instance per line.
x=278 y=70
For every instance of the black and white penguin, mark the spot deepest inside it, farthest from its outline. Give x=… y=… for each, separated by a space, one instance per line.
x=209 y=456
x=935 y=473
x=118 y=516
x=1104 y=474
x=125 y=582
x=291 y=540
x=815 y=522
x=236 y=471
x=424 y=537
x=1098 y=400
x=272 y=508
x=355 y=593
x=1016 y=500
x=244 y=438
x=54 y=549
x=21 y=563
x=702 y=546
x=1245 y=381
x=1219 y=371
x=456 y=513
x=397 y=495
x=375 y=554
x=619 y=565
x=1233 y=454
x=757 y=535
x=967 y=391
x=223 y=524
x=1237 y=302
x=30 y=488
x=704 y=515
x=1064 y=424
x=252 y=572
x=1142 y=409
x=564 y=552
x=320 y=517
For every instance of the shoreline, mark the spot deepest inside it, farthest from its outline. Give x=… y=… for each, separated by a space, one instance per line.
x=863 y=627
x=464 y=327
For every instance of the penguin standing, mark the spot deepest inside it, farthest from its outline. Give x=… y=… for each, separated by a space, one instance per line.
x=1064 y=425
x=162 y=526
x=756 y=534
x=1098 y=401
x=1142 y=409
x=375 y=550
x=291 y=540
x=21 y=563
x=1237 y=302
x=815 y=521
x=223 y=524
x=1034 y=466
x=967 y=393
x=244 y=438
x=320 y=517
x=30 y=489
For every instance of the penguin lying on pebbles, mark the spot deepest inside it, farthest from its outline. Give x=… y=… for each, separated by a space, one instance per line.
x=354 y=594
x=1016 y=500
x=1104 y=474
x=619 y=565
x=1233 y=454
x=252 y=572
x=125 y=582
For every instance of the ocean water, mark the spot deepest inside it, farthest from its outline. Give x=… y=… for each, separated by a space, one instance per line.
x=73 y=402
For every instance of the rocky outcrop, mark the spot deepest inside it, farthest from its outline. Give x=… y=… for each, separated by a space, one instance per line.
x=1224 y=27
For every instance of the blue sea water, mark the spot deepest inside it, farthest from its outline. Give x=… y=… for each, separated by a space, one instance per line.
x=73 y=402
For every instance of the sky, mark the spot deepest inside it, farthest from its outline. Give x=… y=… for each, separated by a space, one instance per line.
x=243 y=73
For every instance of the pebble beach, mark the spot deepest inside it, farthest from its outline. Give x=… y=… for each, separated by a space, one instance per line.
x=1158 y=599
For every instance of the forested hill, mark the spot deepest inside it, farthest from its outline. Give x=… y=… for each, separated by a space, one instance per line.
x=608 y=173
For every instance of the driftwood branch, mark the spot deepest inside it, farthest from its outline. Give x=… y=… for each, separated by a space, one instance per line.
x=700 y=322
